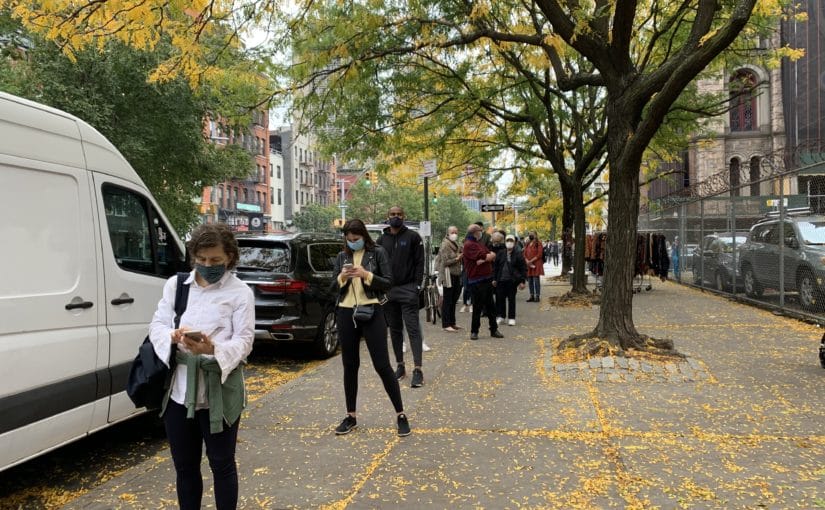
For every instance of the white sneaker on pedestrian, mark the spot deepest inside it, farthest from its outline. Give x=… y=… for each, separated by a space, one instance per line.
x=471 y=308
x=511 y=322
x=462 y=309
x=499 y=320
x=404 y=347
x=425 y=347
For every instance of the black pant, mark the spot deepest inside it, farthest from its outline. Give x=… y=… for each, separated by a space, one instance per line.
x=375 y=333
x=483 y=301
x=450 y=299
x=555 y=257
x=186 y=438
x=506 y=291
x=399 y=314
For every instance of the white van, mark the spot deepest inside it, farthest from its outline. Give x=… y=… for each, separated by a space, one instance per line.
x=84 y=255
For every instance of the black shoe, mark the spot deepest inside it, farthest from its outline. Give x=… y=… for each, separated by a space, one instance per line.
x=404 y=423
x=417 y=378
x=400 y=372
x=496 y=334
x=473 y=336
x=348 y=425
x=530 y=300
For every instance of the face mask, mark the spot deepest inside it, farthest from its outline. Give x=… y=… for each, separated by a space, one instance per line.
x=453 y=237
x=396 y=221
x=211 y=273
x=510 y=245
x=478 y=236
x=356 y=245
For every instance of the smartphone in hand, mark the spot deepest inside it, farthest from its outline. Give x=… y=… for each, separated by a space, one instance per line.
x=194 y=334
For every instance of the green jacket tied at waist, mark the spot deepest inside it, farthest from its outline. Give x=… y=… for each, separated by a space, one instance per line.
x=226 y=401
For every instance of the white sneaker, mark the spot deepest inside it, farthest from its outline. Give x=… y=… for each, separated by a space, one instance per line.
x=511 y=322
x=499 y=320
x=462 y=309
x=404 y=347
x=471 y=308
x=425 y=347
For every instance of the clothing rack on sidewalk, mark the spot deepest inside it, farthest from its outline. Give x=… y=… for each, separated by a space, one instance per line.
x=651 y=259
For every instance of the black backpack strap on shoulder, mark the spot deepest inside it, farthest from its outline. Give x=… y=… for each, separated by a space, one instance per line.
x=181 y=297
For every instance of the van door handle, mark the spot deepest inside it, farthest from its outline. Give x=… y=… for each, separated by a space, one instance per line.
x=123 y=300
x=81 y=304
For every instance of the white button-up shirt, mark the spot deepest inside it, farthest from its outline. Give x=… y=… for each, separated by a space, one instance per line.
x=224 y=311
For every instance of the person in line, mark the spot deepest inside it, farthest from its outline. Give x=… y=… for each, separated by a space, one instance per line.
x=554 y=252
x=486 y=239
x=449 y=257
x=406 y=252
x=675 y=250
x=535 y=269
x=466 y=298
x=509 y=273
x=207 y=392
x=363 y=275
x=478 y=261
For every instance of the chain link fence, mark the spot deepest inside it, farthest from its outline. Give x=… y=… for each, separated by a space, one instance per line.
x=757 y=233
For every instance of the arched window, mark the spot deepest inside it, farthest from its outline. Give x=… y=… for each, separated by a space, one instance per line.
x=754 y=176
x=734 y=177
x=743 y=101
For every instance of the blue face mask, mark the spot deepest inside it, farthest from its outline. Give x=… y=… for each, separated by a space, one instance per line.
x=212 y=274
x=356 y=245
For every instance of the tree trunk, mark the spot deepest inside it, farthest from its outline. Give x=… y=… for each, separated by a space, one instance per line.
x=579 y=275
x=616 y=311
x=567 y=222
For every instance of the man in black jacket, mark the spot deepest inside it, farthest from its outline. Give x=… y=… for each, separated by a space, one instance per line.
x=406 y=252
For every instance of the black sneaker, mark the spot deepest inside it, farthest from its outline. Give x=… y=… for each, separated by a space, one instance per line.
x=404 y=423
x=417 y=378
x=496 y=334
x=400 y=372
x=348 y=425
x=473 y=336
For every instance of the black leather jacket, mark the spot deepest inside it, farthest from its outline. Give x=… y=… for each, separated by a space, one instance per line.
x=375 y=261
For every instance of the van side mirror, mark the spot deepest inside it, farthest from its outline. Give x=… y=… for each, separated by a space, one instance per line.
x=792 y=243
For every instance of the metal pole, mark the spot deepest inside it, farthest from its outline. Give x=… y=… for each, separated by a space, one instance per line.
x=701 y=243
x=733 y=236
x=515 y=213
x=781 y=242
x=343 y=205
x=426 y=199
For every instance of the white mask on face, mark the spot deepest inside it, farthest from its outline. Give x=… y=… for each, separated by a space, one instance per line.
x=510 y=245
x=453 y=237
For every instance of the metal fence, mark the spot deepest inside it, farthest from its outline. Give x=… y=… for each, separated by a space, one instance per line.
x=759 y=236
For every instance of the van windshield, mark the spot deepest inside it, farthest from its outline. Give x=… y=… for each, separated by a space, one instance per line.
x=264 y=256
x=813 y=232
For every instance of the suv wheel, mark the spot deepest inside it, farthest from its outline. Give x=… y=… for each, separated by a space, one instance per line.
x=326 y=342
x=752 y=287
x=808 y=293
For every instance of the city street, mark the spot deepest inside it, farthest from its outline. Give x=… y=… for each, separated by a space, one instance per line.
x=503 y=424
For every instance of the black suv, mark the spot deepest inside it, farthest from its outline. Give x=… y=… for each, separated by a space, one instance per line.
x=291 y=276
x=715 y=262
x=803 y=253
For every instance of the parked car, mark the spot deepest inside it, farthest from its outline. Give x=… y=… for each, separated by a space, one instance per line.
x=803 y=250
x=291 y=275
x=714 y=261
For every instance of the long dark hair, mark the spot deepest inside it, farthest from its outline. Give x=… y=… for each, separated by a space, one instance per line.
x=357 y=227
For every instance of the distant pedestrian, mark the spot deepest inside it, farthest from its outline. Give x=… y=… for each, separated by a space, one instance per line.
x=449 y=257
x=510 y=272
x=535 y=269
x=478 y=262
x=675 y=251
x=554 y=252
x=406 y=252
x=363 y=276
x=485 y=237
x=222 y=310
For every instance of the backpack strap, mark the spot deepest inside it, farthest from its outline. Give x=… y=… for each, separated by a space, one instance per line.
x=181 y=297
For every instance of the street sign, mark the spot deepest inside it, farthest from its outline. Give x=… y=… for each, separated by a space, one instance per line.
x=430 y=169
x=492 y=207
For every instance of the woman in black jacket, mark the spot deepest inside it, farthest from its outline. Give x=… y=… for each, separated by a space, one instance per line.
x=509 y=273
x=363 y=276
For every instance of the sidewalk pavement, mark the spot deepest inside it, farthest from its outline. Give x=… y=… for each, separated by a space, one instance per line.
x=499 y=425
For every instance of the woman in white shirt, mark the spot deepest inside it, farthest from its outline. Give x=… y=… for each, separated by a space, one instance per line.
x=207 y=393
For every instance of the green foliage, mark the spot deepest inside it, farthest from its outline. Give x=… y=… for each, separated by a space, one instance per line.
x=316 y=218
x=157 y=127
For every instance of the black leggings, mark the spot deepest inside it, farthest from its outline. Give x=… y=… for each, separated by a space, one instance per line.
x=186 y=438
x=375 y=333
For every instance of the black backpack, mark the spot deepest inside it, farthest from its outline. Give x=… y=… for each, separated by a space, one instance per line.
x=149 y=377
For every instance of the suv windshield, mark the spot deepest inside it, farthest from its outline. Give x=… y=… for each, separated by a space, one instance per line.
x=727 y=243
x=264 y=256
x=813 y=232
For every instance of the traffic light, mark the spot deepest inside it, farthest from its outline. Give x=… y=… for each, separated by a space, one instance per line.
x=369 y=178
x=435 y=198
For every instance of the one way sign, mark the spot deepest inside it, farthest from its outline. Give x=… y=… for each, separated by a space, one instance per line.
x=492 y=207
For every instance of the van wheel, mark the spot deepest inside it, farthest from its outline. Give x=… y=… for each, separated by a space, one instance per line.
x=752 y=286
x=326 y=343
x=809 y=295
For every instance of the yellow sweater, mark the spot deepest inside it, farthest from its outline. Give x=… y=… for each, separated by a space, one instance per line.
x=355 y=294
